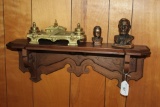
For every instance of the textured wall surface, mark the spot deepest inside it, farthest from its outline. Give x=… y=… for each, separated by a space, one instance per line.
x=62 y=89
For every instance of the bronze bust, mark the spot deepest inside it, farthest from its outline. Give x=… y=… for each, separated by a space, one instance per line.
x=97 y=39
x=123 y=40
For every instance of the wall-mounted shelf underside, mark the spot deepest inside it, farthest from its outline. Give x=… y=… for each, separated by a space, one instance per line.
x=111 y=62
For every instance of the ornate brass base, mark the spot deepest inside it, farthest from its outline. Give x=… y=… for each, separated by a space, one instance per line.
x=54 y=33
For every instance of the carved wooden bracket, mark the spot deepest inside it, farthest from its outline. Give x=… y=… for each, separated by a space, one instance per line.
x=110 y=62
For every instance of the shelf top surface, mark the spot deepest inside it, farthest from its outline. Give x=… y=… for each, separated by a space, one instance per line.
x=88 y=47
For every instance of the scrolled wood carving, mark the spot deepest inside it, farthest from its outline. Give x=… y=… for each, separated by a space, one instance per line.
x=45 y=63
x=81 y=67
x=111 y=62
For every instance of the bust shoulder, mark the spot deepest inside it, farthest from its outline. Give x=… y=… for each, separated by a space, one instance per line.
x=131 y=37
x=116 y=36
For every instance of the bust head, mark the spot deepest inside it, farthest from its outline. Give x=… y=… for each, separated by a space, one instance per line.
x=97 y=31
x=124 y=26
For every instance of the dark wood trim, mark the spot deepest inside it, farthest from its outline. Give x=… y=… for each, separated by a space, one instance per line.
x=111 y=62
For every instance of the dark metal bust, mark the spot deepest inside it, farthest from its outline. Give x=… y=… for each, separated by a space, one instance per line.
x=97 y=39
x=123 y=40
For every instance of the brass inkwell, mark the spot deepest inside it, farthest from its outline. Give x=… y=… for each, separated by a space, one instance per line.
x=56 y=32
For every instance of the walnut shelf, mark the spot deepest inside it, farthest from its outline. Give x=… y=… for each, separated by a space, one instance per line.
x=111 y=62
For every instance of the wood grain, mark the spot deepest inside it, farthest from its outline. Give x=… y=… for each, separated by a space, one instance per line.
x=145 y=28
x=90 y=14
x=118 y=9
x=17 y=16
x=44 y=13
x=3 y=102
x=113 y=97
x=88 y=90
x=53 y=90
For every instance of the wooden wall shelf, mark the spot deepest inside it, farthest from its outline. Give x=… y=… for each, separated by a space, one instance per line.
x=111 y=62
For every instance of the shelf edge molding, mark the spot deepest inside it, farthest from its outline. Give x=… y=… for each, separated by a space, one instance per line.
x=120 y=64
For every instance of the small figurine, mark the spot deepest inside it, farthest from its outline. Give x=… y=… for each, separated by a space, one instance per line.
x=97 y=39
x=34 y=28
x=79 y=31
x=123 y=40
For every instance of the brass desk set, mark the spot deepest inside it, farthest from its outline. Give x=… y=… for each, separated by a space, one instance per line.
x=54 y=33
